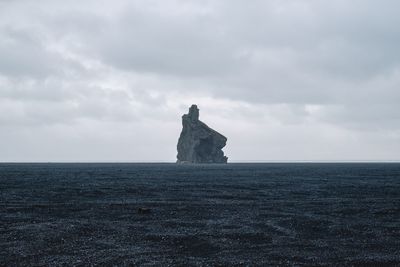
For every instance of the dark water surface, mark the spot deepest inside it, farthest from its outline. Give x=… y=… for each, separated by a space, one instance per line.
x=201 y=215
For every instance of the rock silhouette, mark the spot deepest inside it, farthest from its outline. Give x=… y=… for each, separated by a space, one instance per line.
x=198 y=143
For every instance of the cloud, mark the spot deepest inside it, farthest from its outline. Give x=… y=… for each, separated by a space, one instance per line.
x=23 y=55
x=284 y=70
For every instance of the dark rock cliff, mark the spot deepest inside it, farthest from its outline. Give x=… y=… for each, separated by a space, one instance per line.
x=198 y=143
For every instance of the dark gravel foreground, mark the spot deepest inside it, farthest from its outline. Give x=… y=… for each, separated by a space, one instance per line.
x=203 y=215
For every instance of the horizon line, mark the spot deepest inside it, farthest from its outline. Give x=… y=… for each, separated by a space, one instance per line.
x=173 y=162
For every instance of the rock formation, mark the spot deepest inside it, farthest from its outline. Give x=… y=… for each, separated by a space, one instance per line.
x=198 y=143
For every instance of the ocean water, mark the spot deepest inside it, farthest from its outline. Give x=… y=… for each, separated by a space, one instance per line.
x=200 y=215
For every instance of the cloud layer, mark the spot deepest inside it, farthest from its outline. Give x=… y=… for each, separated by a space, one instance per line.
x=283 y=80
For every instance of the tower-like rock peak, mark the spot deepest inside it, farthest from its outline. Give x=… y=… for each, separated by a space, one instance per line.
x=198 y=143
x=193 y=113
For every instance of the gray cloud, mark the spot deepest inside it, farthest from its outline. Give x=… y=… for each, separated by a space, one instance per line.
x=23 y=55
x=285 y=67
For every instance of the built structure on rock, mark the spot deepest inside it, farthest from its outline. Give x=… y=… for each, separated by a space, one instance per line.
x=198 y=143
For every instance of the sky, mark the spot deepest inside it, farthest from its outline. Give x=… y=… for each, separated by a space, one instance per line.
x=283 y=80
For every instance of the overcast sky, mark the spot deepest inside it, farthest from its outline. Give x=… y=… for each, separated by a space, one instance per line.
x=282 y=79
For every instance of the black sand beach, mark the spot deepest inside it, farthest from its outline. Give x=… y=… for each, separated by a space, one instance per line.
x=200 y=215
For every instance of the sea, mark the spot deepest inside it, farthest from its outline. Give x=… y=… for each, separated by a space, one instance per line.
x=165 y=214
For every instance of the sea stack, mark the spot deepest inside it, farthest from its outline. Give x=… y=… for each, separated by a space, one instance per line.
x=198 y=143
